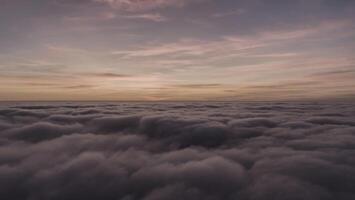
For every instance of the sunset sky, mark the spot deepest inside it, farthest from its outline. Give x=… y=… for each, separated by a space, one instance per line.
x=177 y=50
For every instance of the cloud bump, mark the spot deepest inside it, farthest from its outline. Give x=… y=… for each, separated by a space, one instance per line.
x=156 y=151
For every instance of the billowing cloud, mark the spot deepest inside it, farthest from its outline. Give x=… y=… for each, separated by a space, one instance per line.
x=156 y=151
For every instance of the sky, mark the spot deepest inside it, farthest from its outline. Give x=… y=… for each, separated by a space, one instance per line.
x=177 y=50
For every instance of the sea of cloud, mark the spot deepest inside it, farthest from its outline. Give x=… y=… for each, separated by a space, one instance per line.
x=190 y=151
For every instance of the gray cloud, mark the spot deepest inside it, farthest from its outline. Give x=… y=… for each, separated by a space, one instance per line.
x=198 y=86
x=111 y=75
x=156 y=151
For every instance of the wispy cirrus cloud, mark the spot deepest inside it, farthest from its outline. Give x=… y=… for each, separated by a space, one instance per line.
x=197 y=86
x=110 y=75
x=156 y=17
x=229 y=13
x=127 y=45
x=141 y=5
x=110 y=16
x=133 y=5
x=233 y=43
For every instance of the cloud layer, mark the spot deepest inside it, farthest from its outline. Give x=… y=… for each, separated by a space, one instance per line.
x=154 y=151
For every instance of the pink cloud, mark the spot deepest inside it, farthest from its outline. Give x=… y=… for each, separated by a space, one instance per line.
x=141 y=5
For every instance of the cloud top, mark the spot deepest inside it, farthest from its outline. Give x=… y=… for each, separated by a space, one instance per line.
x=156 y=151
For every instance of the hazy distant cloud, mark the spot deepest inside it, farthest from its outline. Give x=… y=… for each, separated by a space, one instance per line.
x=42 y=84
x=28 y=66
x=110 y=75
x=197 y=86
x=80 y=86
x=229 y=13
x=288 y=85
x=340 y=72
